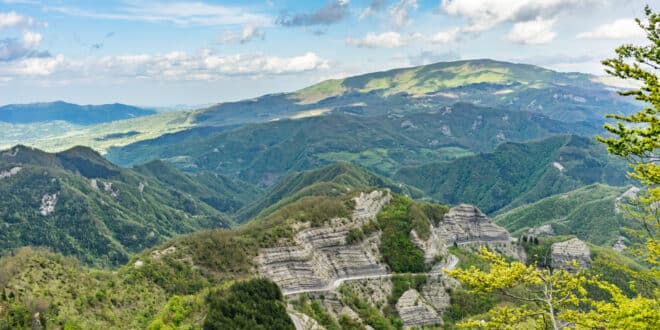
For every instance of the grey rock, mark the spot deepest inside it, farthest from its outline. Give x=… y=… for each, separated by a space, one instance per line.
x=415 y=311
x=565 y=253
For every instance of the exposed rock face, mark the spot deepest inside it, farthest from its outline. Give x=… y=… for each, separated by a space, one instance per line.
x=468 y=227
x=432 y=247
x=94 y=184
x=541 y=230
x=629 y=194
x=11 y=172
x=375 y=291
x=620 y=244
x=415 y=311
x=435 y=292
x=302 y=321
x=48 y=202
x=321 y=256
x=564 y=253
x=559 y=166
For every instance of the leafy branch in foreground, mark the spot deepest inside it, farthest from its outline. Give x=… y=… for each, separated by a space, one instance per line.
x=637 y=137
x=552 y=299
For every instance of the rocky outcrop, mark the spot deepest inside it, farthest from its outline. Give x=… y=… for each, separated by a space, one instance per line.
x=48 y=202
x=541 y=230
x=620 y=244
x=565 y=253
x=466 y=226
x=432 y=247
x=435 y=291
x=321 y=256
x=11 y=172
x=627 y=195
x=415 y=311
x=302 y=321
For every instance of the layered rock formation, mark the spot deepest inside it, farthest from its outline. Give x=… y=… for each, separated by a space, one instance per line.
x=414 y=311
x=565 y=253
x=321 y=256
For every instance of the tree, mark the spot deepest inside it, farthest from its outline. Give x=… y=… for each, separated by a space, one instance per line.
x=552 y=298
x=636 y=137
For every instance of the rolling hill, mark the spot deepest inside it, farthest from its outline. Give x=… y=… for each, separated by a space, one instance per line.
x=592 y=213
x=563 y=96
x=260 y=153
x=517 y=173
x=332 y=180
x=69 y=112
x=224 y=194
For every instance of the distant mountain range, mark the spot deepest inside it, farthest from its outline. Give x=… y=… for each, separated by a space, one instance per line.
x=68 y=112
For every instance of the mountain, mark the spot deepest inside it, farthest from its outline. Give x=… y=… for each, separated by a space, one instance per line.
x=224 y=194
x=563 y=96
x=68 y=112
x=593 y=213
x=331 y=180
x=260 y=153
x=77 y=203
x=518 y=173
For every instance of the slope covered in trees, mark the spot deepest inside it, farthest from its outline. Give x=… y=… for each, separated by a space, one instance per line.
x=517 y=173
x=77 y=203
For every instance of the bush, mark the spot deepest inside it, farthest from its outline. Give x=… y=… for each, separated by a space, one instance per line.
x=254 y=304
x=354 y=235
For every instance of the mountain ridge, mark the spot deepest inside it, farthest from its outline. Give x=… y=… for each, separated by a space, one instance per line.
x=69 y=112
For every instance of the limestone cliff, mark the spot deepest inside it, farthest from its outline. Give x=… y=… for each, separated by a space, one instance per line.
x=565 y=253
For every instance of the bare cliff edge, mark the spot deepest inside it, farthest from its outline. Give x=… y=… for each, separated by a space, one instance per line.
x=321 y=260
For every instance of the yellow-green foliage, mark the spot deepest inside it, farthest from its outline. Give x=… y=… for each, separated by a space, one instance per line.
x=70 y=296
x=320 y=91
x=181 y=312
x=547 y=299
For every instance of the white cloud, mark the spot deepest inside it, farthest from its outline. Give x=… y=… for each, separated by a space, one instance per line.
x=12 y=49
x=486 y=14
x=31 y=39
x=383 y=40
x=399 y=15
x=538 y=31
x=444 y=37
x=203 y=65
x=248 y=32
x=620 y=29
x=34 y=66
x=181 y=13
x=13 y=20
x=374 y=7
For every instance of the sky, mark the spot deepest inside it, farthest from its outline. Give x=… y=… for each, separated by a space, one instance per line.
x=167 y=53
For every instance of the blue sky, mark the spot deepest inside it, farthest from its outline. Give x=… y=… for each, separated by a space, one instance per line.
x=161 y=53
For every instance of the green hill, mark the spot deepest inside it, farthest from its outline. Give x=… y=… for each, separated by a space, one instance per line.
x=589 y=213
x=68 y=112
x=568 y=97
x=261 y=153
x=224 y=194
x=77 y=203
x=332 y=180
x=517 y=173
